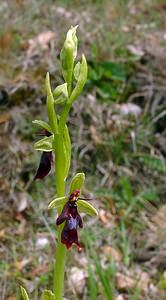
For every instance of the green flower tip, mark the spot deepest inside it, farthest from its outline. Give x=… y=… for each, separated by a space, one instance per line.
x=71 y=34
x=24 y=294
x=47 y=78
x=71 y=41
x=47 y=82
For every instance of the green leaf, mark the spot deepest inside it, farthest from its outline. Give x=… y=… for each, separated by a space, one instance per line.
x=95 y=73
x=60 y=93
x=48 y=295
x=153 y=162
x=50 y=106
x=112 y=70
x=43 y=124
x=44 y=144
x=107 y=70
x=77 y=182
x=67 y=151
x=86 y=207
x=57 y=202
x=82 y=77
x=77 y=70
x=126 y=188
x=24 y=294
x=107 y=90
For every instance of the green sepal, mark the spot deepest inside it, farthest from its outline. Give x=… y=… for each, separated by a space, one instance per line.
x=86 y=207
x=77 y=70
x=67 y=151
x=50 y=106
x=82 y=77
x=43 y=124
x=48 y=295
x=77 y=182
x=24 y=294
x=45 y=144
x=60 y=94
x=68 y=55
x=57 y=202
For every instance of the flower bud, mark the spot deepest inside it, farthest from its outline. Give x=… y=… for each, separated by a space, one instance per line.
x=50 y=105
x=60 y=94
x=80 y=73
x=68 y=55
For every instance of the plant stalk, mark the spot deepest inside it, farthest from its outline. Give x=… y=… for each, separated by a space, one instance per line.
x=61 y=251
x=63 y=117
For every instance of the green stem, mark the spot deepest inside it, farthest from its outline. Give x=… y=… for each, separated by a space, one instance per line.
x=59 y=268
x=60 y=258
x=63 y=117
x=69 y=85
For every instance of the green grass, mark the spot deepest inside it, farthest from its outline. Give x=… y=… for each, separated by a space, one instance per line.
x=100 y=281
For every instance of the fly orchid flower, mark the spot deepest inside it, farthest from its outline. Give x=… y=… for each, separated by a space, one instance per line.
x=70 y=214
x=72 y=220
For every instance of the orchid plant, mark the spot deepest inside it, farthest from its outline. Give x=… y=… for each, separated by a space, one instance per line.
x=56 y=143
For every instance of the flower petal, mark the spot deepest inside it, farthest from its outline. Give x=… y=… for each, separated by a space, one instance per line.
x=86 y=207
x=63 y=216
x=44 y=144
x=44 y=125
x=80 y=222
x=57 y=202
x=77 y=182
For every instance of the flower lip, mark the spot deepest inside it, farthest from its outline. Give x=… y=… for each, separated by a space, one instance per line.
x=69 y=236
x=45 y=161
x=45 y=165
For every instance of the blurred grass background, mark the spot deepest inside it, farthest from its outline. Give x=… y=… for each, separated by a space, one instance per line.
x=118 y=139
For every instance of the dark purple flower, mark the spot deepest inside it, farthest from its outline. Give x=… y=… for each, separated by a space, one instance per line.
x=45 y=165
x=45 y=161
x=72 y=220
